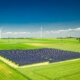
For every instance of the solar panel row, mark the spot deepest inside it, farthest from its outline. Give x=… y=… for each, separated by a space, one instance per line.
x=23 y=57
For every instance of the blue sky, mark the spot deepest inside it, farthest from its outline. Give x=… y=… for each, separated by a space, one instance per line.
x=30 y=15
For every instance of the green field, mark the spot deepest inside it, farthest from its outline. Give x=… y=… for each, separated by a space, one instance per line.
x=67 y=70
x=8 y=73
x=33 y=43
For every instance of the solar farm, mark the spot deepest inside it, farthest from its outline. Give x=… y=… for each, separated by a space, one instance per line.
x=25 y=57
x=31 y=55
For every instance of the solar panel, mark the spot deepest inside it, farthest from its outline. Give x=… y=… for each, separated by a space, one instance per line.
x=25 y=57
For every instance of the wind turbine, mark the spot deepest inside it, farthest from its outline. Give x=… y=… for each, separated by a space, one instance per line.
x=41 y=32
x=0 y=32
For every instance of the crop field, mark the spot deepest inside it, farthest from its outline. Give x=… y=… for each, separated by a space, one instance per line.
x=64 y=52
x=69 y=70
x=8 y=73
x=34 y=43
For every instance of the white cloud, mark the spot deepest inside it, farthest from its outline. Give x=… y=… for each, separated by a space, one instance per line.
x=8 y=33
x=70 y=29
x=52 y=33
x=63 y=33
x=15 y=32
x=47 y=32
x=28 y=32
x=22 y=32
x=77 y=29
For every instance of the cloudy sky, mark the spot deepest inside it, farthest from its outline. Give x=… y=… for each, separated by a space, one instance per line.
x=24 y=18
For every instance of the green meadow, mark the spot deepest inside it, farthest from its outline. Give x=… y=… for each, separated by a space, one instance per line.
x=65 y=70
x=69 y=70
x=33 y=43
x=9 y=73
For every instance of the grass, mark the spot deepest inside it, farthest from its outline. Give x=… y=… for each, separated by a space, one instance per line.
x=8 y=73
x=69 y=70
x=33 y=43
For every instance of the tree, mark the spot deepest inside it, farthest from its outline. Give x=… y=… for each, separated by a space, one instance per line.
x=78 y=39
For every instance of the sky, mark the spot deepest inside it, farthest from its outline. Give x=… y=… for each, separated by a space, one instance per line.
x=24 y=18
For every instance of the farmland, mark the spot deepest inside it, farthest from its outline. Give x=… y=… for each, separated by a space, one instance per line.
x=63 y=70
x=8 y=73
x=69 y=70
x=33 y=43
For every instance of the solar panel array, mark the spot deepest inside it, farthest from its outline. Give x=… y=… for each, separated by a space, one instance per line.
x=24 y=57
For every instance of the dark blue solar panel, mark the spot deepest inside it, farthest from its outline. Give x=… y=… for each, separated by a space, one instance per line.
x=23 y=57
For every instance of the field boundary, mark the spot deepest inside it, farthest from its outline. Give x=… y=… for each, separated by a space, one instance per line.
x=36 y=64
x=66 y=61
x=10 y=63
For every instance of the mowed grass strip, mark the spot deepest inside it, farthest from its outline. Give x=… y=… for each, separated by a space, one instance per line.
x=69 y=70
x=8 y=73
